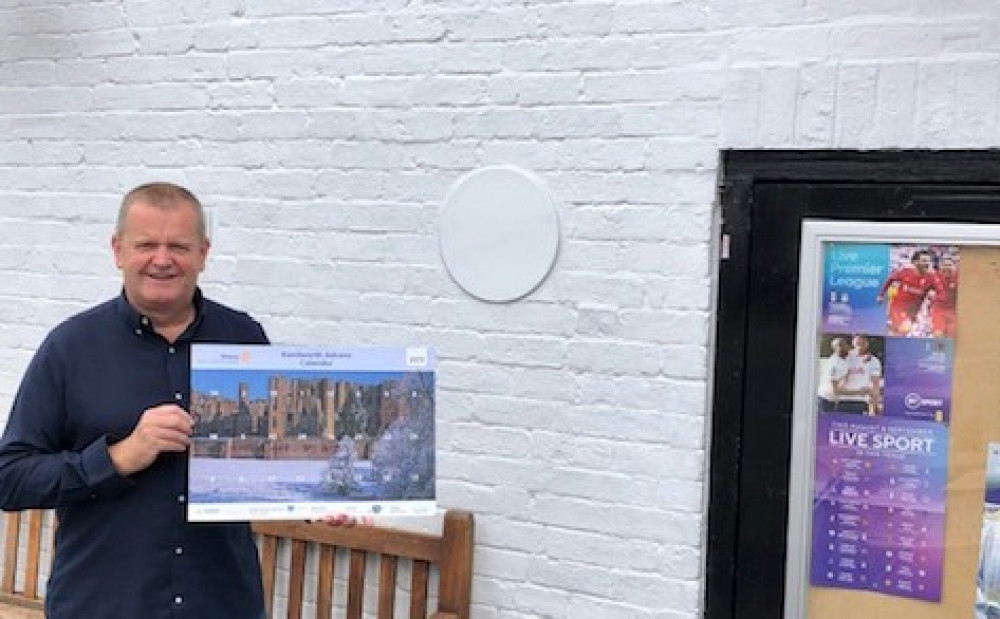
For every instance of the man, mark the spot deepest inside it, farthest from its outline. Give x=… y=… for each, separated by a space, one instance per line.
x=864 y=376
x=907 y=287
x=945 y=298
x=833 y=374
x=99 y=430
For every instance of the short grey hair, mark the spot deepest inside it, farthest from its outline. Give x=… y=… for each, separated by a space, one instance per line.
x=161 y=195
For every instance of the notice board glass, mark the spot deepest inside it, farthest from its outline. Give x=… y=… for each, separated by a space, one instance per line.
x=895 y=472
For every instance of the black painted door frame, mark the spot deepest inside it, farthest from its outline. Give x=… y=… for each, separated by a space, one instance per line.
x=748 y=496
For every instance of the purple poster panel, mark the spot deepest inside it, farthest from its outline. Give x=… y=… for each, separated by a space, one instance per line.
x=918 y=378
x=853 y=275
x=879 y=505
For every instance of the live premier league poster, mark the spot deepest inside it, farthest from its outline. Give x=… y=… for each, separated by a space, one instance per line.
x=884 y=381
x=896 y=290
x=854 y=273
x=294 y=433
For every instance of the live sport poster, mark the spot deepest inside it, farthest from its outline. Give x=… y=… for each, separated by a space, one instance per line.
x=883 y=401
x=879 y=505
x=291 y=433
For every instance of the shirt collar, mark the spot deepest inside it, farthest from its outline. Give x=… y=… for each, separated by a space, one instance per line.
x=140 y=324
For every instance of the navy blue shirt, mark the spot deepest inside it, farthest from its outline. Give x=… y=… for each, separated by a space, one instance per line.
x=124 y=548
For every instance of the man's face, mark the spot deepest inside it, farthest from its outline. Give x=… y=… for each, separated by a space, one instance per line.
x=948 y=266
x=861 y=344
x=839 y=347
x=922 y=262
x=160 y=254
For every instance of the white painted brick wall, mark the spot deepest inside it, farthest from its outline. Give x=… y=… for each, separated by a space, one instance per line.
x=324 y=135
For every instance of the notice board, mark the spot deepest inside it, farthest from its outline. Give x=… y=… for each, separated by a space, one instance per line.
x=889 y=487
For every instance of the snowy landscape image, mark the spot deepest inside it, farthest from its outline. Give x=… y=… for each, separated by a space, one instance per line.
x=291 y=438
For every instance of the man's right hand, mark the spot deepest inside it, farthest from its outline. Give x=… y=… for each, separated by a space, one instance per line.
x=166 y=427
x=344 y=520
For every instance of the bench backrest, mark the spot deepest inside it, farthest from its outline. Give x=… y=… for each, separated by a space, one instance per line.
x=24 y=545
x=424 y=556
x=450 y=552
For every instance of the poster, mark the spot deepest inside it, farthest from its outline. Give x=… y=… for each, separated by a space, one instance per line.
x=296 y=433
x=988 y=570
x=883 y=405
x=879 y=505
x=851 y=375
x=918 y=378
x=853 y=275
x=898 y=290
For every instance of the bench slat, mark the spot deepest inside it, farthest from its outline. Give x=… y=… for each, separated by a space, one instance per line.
x=13 y=532
x=324 y=581
x=356 y=585
x=419 y=579
x=296 y=579
x=268 y=546
x=34 y=553
x=386 y=587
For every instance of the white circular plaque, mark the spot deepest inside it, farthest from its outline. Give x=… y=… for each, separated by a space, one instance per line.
x=499 y=233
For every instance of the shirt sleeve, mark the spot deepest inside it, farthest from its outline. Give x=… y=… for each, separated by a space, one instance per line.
x=37 y=468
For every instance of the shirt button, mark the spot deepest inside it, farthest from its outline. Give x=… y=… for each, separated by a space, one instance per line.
x=179 y=550
x=138 y=331
x=181 y=498
x=178 y=396
x=144 y=320
x=178 y=600
x=172 y=350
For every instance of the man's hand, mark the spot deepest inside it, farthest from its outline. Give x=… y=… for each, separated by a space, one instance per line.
x=344 y=520
x=166 y=427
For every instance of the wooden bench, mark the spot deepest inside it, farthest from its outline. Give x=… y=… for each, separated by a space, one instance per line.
x=24 y=546
x=299 y=564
